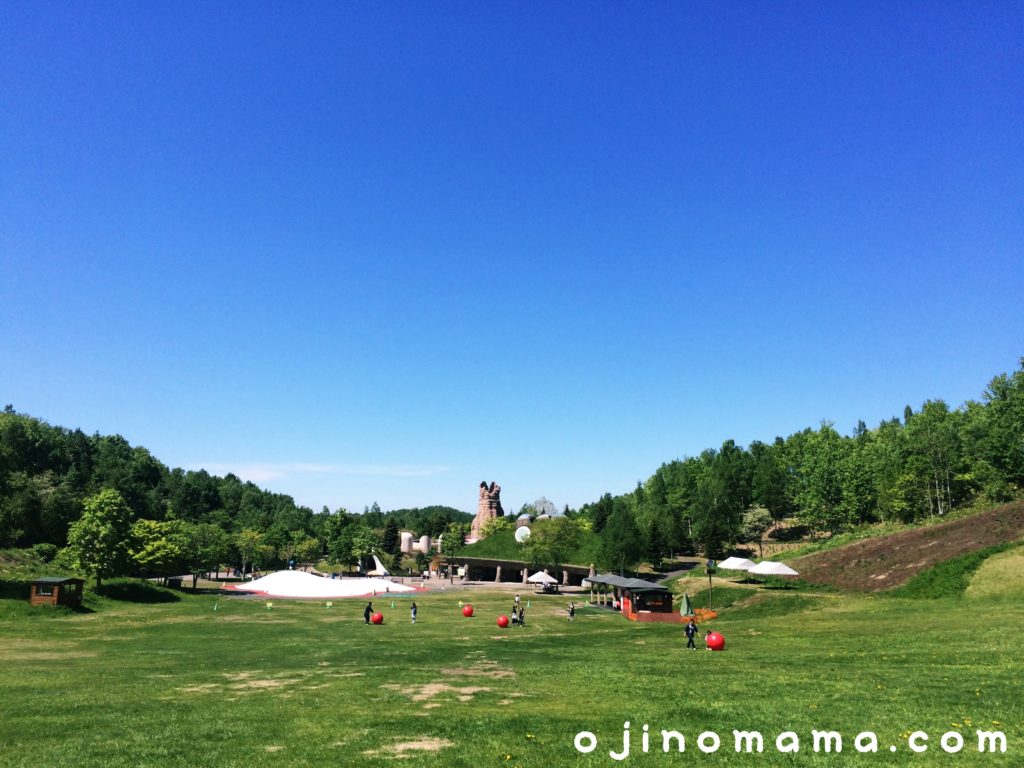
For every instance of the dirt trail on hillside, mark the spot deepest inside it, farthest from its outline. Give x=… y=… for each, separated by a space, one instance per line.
x=889 y=561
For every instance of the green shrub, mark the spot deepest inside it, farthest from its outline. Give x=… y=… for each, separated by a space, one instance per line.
x=45 y=552
x=65 y=560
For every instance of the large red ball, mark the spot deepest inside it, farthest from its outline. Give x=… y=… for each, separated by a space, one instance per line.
x=715 y=641
x=503 y=621
x=467 y=611
x=377 y=618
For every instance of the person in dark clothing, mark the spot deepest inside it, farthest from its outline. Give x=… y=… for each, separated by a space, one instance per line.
x=691 y=632
x=572 y=611
x=412 y=612
x=367 y=611
x=522 y=616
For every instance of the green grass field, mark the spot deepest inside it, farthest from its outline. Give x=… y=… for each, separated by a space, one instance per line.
x=155 y=684
x=503 y=545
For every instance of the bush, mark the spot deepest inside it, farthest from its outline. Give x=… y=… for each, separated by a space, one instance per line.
x=497 y=525
x=65 y=560
x=45 y=552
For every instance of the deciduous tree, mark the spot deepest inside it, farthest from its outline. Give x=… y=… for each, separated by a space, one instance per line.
x=101 y=538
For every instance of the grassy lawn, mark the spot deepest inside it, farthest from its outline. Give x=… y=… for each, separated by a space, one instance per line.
x=1001 y=575
x=138 y=684
x=503 y=546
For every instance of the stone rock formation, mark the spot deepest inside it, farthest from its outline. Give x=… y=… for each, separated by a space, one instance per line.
x=488 y=508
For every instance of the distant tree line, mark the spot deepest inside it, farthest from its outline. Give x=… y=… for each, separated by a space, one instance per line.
x=60 y=487
x=929 y=462
x=102 y=495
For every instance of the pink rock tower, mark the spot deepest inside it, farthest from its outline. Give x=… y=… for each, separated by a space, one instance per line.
x=488 y=508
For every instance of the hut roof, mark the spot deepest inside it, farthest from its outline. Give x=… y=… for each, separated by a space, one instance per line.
x=636 y=585
x=55 y=579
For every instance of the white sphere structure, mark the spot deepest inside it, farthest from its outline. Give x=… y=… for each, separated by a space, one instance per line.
x=522 y=534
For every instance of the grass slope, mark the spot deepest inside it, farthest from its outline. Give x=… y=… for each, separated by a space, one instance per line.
x=503 y=546
x=1000 y=576
x=889 y=561
x=949 y=578
x=226 y=682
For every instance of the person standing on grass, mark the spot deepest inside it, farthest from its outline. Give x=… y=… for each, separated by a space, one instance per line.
x=691 y=632
x=572 y=610
x=522 y=616
x=412 y=612
x=367 y=611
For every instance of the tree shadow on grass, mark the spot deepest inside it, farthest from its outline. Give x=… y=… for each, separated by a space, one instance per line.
x=207 y=591
x=13 y=589
x=131 y=591
x=76 y=608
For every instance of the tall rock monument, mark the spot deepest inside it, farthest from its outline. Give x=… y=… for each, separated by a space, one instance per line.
x=488 y=508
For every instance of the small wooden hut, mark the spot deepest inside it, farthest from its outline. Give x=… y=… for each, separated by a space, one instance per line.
x=56 y=590
x=637 y=599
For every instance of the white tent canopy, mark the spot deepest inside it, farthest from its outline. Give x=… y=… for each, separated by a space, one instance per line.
x=772 y=568
x=736 y=564
x=541 y=577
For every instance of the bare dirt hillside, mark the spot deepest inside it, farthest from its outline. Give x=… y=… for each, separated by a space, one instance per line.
x=889 y=561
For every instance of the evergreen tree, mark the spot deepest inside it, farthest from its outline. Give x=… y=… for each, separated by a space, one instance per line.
x=622 y=544
x=656 y=549
x=391 y=541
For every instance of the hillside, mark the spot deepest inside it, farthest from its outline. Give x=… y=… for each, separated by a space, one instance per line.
x=886 y=562
x=503 y=546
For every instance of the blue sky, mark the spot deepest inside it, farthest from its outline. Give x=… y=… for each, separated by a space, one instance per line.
x=365 y=252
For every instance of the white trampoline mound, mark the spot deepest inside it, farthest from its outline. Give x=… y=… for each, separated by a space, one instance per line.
x=302 y=584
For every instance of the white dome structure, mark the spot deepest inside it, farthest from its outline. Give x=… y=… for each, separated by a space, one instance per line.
x=300 y=584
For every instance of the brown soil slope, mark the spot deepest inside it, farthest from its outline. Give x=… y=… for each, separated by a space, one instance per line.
x=889 y=561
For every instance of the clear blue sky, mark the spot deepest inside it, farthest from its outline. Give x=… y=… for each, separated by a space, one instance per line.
x=384 y=251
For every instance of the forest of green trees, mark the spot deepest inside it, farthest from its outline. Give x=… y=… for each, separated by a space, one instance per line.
x=61 y=487
x=932 y=460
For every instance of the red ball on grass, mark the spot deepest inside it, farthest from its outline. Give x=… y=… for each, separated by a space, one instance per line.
x=377 y=618
x=467 y=611
x=503 y=621
x=715 y=641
